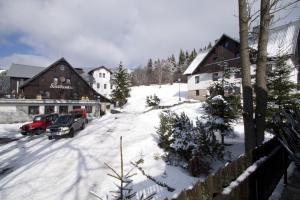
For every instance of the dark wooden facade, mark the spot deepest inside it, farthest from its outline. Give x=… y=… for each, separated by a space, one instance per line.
x=224 y=53
x=58 y=81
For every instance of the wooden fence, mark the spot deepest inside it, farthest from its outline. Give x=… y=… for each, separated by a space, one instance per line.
x=257 y=185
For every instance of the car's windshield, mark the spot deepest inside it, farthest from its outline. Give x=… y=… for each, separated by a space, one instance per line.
x=38 y=118
x=63 y=119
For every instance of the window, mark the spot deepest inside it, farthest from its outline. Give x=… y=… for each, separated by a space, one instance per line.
x=103 y=75
x=63 y=109
x=108 y=106
x=215 y=76
x=226 y=44
x=98 y=85
x=49 y=109
x=111 y=86
x=62 y=67
x=33 y=110
x=196 y=79
x=104 y=86
x=197 y=92
x=100 y=75
x=88 y=109
x=76 y=107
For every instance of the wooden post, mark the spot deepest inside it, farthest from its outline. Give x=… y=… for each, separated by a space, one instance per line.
x=121 y=195
x=284 y=167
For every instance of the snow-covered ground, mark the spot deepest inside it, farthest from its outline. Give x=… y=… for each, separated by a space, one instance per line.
x=36 y=168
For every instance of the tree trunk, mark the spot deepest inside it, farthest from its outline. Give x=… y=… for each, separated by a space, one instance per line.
x=261 y=82
x=249 y=130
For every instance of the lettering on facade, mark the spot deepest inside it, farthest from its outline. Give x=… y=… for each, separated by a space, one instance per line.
x=64 y=87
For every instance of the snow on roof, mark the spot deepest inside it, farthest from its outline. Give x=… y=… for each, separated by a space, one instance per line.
x=282 y=39
x=194 y=64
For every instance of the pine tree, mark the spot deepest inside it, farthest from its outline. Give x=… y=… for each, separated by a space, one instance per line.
x=149 y=72
x=121 y=82
x=209 y=45
x=182 y=58
x=164 y=130
x=182 y=136
x=280 y=86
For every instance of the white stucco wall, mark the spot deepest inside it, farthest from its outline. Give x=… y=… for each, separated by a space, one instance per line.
x=102 y=80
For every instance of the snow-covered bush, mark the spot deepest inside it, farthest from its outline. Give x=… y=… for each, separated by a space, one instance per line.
x=152 y=100
x=207 y=148
x=195 y=146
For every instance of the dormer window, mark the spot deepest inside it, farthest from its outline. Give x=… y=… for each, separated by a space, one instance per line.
x=103 y=75
x=100 y=75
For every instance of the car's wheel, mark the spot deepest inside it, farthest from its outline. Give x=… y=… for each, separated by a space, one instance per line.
x=24 y=133
x=71 y=134
x=50 y=137
x=82 y=126
x=38 y=131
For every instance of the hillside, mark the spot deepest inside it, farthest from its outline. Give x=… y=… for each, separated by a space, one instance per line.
x=72 y=167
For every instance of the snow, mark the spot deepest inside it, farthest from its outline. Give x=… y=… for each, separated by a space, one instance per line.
x=70 y=168
x=243 y=176
x=194 y=64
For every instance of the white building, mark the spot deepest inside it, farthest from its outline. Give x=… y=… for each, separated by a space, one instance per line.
x=208 y=66
x=102 y=80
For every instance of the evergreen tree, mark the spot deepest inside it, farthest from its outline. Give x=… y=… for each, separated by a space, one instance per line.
x=182 y=136
x=209 y=45
x=164 y=130
x=182 y=58
x=121 y=82
x=192 y=56
x=280 y=86
x=149 y=72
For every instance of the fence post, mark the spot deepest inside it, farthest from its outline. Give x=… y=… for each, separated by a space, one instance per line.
x=285 y=167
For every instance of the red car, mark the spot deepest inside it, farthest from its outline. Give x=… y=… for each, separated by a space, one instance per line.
x=39 y=124
x=82 y=112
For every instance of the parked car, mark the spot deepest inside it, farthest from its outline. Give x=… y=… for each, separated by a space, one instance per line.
x=82 y=112
x=65 y=125
x=39 y=124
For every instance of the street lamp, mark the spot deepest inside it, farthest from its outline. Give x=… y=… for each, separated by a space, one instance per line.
x=179 y=89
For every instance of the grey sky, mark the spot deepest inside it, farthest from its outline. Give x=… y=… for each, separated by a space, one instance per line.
x=90 y=33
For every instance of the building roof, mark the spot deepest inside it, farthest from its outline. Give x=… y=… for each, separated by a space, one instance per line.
x=202 y=56
x=194 y=64
x=101 y=67
x=23 y=71
x=282 y=39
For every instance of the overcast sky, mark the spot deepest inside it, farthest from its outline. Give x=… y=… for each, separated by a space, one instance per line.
x=90 y=33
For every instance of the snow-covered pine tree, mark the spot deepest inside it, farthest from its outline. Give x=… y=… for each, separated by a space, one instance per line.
x=164 y=130
x=281 y=88
x=182 y=136
x=121 y=82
